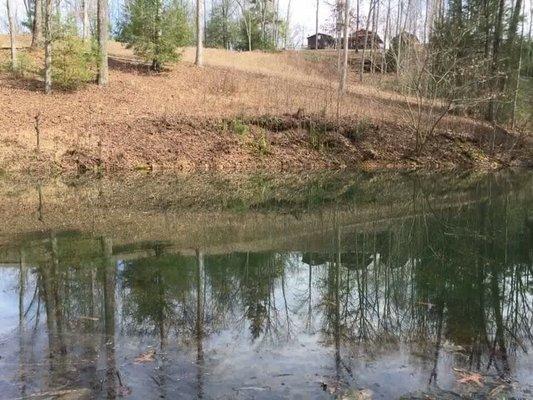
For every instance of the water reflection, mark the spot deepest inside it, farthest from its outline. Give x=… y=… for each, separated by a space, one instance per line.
x=400 y=306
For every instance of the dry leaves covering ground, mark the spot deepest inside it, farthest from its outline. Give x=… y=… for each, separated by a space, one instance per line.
x=185 y=118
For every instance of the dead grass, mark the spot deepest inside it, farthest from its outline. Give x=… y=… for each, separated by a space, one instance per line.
x=124 y=119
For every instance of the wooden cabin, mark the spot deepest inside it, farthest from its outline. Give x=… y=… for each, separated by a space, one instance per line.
x=356 y=41
x=324 y=41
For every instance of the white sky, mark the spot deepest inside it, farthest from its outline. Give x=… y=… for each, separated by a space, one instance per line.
x=302 y=12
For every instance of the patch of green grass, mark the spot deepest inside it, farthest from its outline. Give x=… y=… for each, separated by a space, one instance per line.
x=238 y=127
x=262 y=145
x=316 y=136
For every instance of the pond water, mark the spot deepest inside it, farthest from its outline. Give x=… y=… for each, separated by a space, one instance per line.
x=354 y=287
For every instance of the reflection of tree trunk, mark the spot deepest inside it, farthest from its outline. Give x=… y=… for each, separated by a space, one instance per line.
x=199 y=322
x=22 y=347
x=286 y=305
x=58 y=305
x=310 y=301
x=109 y=283
x=433 y=376
x=499 y=339
x=337 y=332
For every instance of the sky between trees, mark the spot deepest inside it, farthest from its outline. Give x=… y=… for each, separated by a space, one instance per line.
x=302 y=13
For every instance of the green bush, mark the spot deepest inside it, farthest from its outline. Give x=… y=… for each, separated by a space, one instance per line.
x=73 y=63
x=24 y=65
x=154 y=30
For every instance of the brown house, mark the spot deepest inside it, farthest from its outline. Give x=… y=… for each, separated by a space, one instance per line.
x=324 y=42
x=357 y=40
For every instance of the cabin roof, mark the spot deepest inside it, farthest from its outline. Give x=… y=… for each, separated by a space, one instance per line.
x=320 y=34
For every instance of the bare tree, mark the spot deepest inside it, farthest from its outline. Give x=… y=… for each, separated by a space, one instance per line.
x=47 y=46
x=342 y=87
x=103 y=21
x=12 y=35
x=518 y=70
x=287 y=25
x=85 y=22
x=385 y=38
x=199 y=61
x=316 y=24
x=37 y=27
x=365 y=43
x=247 y=23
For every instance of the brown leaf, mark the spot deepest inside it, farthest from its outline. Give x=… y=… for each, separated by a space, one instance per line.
x=146 y=357
x=471 y=378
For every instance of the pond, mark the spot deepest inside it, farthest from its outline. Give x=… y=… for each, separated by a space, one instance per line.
x=336 y=286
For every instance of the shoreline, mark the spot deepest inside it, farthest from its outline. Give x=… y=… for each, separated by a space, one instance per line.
x=268 y=143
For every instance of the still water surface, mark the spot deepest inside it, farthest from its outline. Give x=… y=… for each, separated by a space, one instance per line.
x=389 y=289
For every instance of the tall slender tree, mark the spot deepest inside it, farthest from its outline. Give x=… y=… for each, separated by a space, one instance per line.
x=47 y=46
x=287 y=25
x=346 y=24
x=102 y=27
x=85 y=22
x=37 y=26
x=365 y=42
x=12 y=32
x=316 y=24
x=199 y=61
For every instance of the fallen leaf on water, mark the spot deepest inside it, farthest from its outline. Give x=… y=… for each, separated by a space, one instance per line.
x=145 y=357
x=363 y=394
x=497 y=390
x=471 y=378
x=90 y=318
x=124 y=391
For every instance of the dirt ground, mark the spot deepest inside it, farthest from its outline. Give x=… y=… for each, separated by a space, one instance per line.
x=241 y=112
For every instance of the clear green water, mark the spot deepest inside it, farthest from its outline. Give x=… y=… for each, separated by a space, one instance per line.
x=332 y=288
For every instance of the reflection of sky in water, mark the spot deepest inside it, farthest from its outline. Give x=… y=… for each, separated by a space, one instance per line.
x=8 y=299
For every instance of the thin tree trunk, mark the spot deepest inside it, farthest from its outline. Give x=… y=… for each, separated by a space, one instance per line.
x=491 y=115
x=102 y=11
x=344 y=74
x=199 y=61
x=399 y=36
x=37 y=27
x=85 y=31
x=518 y=68
x=385 y=38
x=357 y=26
x=361 y=72
x=48 y=47
x=11 y=22
x=375 y=28
x=316 y=24
x=287 y=25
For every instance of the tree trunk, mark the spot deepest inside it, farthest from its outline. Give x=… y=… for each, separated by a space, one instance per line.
x=37 y=27
x=342 y=87
x=287 y=24
x=496 y=44
x=199 y=61
x=316 y=24
x=513 y=24
x=385 y=38
x=85 y=31
x=103 y=73
x=11 y=23
x=362 y=70
x=518 y=70
x=48 y=47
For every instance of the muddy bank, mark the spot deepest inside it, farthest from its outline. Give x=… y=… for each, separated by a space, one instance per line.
x=285 y=143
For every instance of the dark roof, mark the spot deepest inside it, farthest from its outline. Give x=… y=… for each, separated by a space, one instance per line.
x=320 y=34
